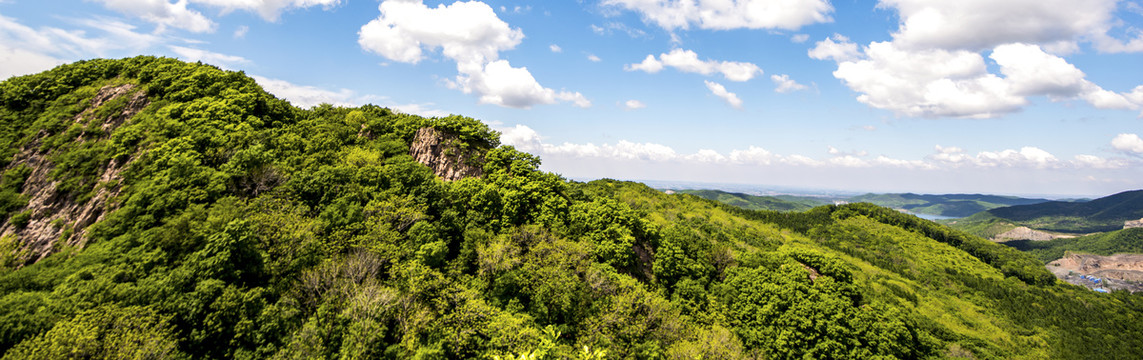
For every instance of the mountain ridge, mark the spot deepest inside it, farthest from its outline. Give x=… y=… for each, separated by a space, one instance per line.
x=243 y=227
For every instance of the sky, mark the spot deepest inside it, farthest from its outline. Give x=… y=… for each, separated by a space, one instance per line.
x=1023 y=97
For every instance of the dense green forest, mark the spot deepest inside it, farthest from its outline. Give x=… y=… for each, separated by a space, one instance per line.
x=753 y=202
x=1109 y=243
x=159 y=209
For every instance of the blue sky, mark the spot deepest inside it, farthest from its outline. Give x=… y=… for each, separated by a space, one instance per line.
x=1016 y=97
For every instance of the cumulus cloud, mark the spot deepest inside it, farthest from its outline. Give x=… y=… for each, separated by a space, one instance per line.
x=943 y=158
x=472 y=35
x=730 y=14
x=306 y=96
x=501 y=84
x=1128 y=143
x=720 y=91
x=837 y=48
x=688 y=61
x=928 y=83
x=634 y=104
x=984 y=24
x=593 y=58
x=163 y=14
x=784 y=84
x=934 y=66
x=1026 y=157
x=555 y=48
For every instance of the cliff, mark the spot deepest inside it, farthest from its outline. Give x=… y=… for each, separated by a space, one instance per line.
x=449 y=157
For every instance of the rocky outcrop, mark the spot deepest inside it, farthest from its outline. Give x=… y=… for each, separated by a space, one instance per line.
x=1025 y=233
x=1127 y=267
x=447 y=155
x=55 y=217
x=1133 y=224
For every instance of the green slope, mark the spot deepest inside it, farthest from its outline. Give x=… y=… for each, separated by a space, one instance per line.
x=753 y=202
x=953 y=205
x=242 y=227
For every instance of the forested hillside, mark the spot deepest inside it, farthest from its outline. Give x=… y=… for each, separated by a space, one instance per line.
x=159 y=209
x=952 y=205
x=1099 y=215
x=752 y=202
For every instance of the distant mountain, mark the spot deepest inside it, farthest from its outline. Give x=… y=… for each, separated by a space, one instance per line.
x=1099 y=215
x=1109 y=243
x=752 y=202
x=952 y=205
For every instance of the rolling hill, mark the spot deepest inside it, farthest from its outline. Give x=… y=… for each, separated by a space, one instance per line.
x=1100 y=215
x=159 y=209
x=753 y=202
x=951 y=205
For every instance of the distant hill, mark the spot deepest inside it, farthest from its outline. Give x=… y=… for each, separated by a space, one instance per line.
x=1099 y=215
x=752 y=202
x=1109 y=243
x=952 y=205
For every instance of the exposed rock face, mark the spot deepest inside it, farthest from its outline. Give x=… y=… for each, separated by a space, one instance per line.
x=445 y=154
x=1133 y=224
x=53 y=213
x=1025 y=233
x=1127 y=267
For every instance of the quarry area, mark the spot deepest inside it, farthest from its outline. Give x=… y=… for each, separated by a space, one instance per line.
x=1101 y=273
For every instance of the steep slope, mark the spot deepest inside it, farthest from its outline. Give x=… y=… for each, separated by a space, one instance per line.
x=751 y=202
x=242 y=227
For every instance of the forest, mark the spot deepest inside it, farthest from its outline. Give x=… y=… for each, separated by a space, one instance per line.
x=157 y=209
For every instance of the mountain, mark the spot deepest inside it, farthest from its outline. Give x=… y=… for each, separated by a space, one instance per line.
x=753 y=202
x=160 y=209
x=1109 y=243
x=1099 y=215
x=951 y=205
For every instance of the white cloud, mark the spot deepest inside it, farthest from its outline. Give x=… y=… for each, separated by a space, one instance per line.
x=730 y=14
x=688 y=61
x=785 y=84
x=523 y=138
x=593 y=58
x=634 y=104
x=1026 y=157
x=555 y=48
x=425 y=110
x=944 y=158
x=17 y=62
x=213 y=58
x=269 y=10
x=1128 y=143
x=934 y=66
x=928 y=83
x=470 y=34
x=306 y=96
x=163 y=14
x=24 y=50
x=837 y=48
x=984 y=24
x=241 y=31
x=499 y=83
x=800 y=38
x=720 y=91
